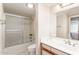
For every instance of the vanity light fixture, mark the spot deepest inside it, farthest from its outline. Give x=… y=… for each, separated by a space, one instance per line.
x=65 y=4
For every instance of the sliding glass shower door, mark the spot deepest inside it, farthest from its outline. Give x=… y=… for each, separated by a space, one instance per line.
x=17 y=30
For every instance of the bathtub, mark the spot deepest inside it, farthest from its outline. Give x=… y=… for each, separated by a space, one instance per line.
x=17 y=50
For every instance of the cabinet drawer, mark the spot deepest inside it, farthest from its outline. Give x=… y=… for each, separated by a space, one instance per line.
x=45 y=46
x=58 y=52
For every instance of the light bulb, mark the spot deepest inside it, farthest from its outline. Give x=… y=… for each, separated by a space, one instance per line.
x=30 y=5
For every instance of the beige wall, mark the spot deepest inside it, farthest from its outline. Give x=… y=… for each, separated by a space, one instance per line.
x=53 y=23
x=43 y=23
x=1 y=28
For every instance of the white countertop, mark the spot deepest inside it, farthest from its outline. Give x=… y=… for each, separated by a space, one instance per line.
x=59 y=44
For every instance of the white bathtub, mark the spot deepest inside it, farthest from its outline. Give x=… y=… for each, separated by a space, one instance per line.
x=17 y=50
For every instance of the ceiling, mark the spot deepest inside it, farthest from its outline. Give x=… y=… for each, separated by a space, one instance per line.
x=22 y=9
x=19 y=9
x=50 y=4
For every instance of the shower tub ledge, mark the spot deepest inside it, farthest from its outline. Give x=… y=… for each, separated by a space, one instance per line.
x=17 y=49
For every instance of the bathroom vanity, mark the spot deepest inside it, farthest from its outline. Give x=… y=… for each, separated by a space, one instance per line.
x=66 y=25
x=48 y=50
x=57 y=46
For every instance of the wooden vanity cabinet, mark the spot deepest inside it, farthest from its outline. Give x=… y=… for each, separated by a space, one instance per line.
x=47 y=50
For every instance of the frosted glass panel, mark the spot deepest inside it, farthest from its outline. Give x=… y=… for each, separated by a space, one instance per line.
x=17 y=30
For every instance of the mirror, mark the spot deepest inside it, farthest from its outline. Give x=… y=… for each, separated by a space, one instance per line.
x=68 y=24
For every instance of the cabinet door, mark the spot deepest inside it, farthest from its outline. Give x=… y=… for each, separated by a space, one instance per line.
x=45 y=46
x=58 y=52
x=45 y=52
x=45 y=49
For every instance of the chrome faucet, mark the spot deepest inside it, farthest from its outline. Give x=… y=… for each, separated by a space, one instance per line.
x=69 y=43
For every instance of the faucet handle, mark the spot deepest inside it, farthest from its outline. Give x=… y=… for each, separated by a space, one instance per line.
x=65 y=41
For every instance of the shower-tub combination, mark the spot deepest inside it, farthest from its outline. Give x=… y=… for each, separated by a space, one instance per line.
x=19 y=34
